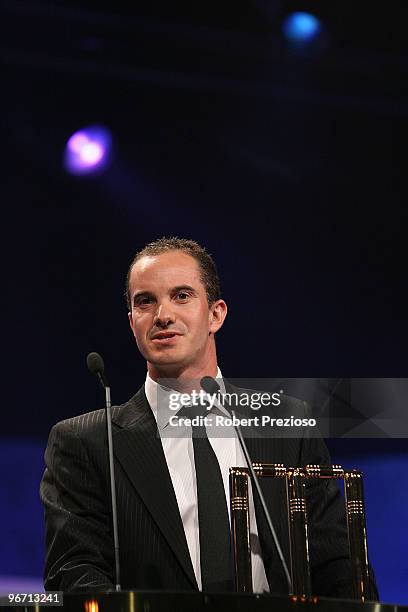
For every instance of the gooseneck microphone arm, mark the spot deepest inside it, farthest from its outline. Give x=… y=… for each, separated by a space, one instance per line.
x=96 y=366
x=211 y=387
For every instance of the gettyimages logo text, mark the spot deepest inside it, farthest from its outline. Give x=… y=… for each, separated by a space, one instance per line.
x=201 y=398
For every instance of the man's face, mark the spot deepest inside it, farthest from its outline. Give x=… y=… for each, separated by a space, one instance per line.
x=170 y=317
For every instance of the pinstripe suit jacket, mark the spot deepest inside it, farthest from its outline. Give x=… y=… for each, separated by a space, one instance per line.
x=153 y=548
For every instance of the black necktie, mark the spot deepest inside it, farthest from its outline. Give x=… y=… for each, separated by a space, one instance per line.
x=215 y=534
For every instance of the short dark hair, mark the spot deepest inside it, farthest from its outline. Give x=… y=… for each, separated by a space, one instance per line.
x=208 y=269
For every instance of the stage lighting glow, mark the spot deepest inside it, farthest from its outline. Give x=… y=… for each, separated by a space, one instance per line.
x=301 y=27
x=88 y=150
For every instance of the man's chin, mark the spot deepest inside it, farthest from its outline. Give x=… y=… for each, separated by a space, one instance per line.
x=166 y=354
x=167 y=366
x=166 y=359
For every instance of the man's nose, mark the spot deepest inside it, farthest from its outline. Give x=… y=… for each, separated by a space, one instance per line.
x=164 y=316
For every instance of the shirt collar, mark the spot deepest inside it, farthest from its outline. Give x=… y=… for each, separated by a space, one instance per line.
x=154 y=391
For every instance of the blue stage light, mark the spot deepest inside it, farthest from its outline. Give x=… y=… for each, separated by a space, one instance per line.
x=301 y=27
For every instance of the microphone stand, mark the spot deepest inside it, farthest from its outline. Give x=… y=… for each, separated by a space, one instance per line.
x=255 y=481
x=108 y=413
x=211 y=386
x=96 y=366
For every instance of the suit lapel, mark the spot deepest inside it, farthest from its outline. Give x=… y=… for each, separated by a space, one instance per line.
x=139 y=450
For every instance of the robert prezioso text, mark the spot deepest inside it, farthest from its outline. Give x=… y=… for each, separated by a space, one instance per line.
x=256 y=421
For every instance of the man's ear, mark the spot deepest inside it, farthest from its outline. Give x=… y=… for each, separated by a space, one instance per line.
x=218 y=312
x=130 y=318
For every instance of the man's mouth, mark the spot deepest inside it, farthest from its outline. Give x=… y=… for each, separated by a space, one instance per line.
x=165 y=338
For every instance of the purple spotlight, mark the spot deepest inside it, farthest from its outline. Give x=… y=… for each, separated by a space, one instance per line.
x=88 y=150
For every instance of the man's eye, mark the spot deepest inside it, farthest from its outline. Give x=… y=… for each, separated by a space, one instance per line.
x=143 y=301
x=182 y=295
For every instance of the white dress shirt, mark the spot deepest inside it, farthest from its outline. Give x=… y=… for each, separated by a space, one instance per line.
x=178 y=450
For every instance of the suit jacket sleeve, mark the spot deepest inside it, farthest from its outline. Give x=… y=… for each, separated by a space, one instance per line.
x=77 y=522
x=329 y=553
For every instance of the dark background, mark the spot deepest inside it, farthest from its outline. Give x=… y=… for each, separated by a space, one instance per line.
x=288 y=164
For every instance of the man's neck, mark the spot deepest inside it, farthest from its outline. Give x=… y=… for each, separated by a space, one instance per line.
x=179 y=373
x=185 y=379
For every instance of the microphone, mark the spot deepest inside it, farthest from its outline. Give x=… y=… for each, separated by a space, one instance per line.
x=211 y=386
x=96 y=366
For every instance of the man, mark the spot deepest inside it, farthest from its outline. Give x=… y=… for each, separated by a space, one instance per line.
x=170 y=537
